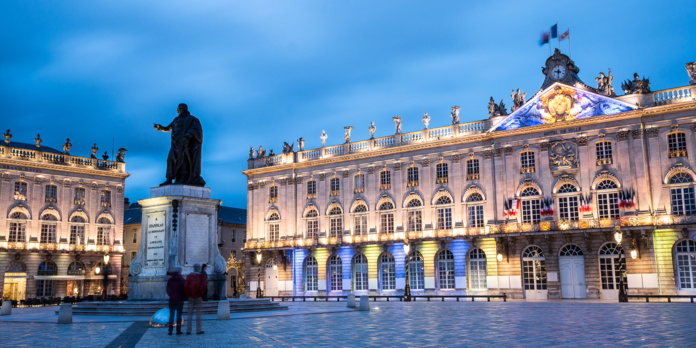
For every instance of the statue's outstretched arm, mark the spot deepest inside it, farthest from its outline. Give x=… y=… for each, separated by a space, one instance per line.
x=159 y=127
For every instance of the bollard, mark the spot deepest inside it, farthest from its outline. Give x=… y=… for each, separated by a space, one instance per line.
x=223 y=310
x=6 y=308
x=242 y=297
x=364 y=303
x=351 y=301
x=65 y=314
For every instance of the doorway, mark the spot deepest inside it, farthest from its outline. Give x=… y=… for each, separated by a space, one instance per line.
x=271 y=278
x=572 y=265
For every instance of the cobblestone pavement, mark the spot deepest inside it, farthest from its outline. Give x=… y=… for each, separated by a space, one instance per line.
x=421 y=324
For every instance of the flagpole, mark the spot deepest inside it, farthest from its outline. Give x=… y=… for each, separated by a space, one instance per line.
x=570 y=52
x=558 y=36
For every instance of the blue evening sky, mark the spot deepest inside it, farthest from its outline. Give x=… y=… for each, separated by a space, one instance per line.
x=264 y=72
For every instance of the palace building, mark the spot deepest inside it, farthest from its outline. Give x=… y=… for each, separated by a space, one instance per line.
x=573 y=193
x=62 y=218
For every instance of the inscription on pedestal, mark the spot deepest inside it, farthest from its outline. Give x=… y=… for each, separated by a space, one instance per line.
x=197 y=237
x=155 y=239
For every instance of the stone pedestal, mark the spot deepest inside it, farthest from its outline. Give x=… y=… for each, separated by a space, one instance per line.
x=179 y=228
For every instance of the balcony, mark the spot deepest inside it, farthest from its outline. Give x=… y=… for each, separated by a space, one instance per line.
x=527 y=170
x=359 y=190
x=51 y=199
x=412 y=183
x=79 y=201
x=273 y=200
x=20 y=196
x=472 y=176
x=335 y=193
x=311 y=195
x=677 y=153
x=442 y=180
x=106 y=204
x=604 y=161
x=385 y=187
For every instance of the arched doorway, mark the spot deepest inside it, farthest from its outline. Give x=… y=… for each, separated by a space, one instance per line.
x=572 y=265
x=15 y=282
x=611 y=261
x=232 y=290
x=534 y=273
x=271 y=278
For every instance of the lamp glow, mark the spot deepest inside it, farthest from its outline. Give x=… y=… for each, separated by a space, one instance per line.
x=618 y=236
x=634 y=254
x=97 y=270
x=407 y=248
x=500 y=257
x=106 y=258
x=258 y=257
x=275 y=267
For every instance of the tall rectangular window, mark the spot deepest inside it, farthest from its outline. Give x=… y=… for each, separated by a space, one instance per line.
x=51 y=194
x=335 y=184
x=475 y=215
x=311 y=189
x=106 y=198
x=386 y=222
x=527 y=162
x=234 y=236
x=683 y=202
x=273 y=232
x=77 y=234
x=415 y=221
x=133 y=255
x=604 y=153
x=568 y=208
x=335 y=227
x=48 y=233
x=608 y=204
x=360 y=224
x=20 y=191
x=359 y=181
x=677 y=144
x=385 y=180
x=103 y=236
x=412 y=174
x=472 y=169
x=441 y=173
x=531 y=211
x=17 y=231
x=135 y=236
x=444 y=218
x=79 y=196
x=312 y=229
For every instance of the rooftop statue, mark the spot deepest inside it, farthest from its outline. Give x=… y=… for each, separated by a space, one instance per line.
x=636 y=86
x=184 y=160
x=397 y=124
x=323 y=137
x=518 y=99
x=604 y=84
x=300 y=143
x=94 y=151
x=455 y=114
x=691 y=70
x=252 y=152
x=38 y=141
x=372 y=129
x=496 y=110
x=346 y=135
x=121 y=154
x=261 y=152
x=287 y=148
x=7 y=136
x=66 y=146
x=105 y=156
x=426 y=119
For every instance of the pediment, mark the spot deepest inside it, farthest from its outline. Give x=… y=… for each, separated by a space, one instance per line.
x=560 y=103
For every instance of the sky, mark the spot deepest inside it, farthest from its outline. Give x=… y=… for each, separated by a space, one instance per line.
x=263 y=72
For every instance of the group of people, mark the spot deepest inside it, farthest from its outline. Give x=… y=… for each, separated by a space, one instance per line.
x=195 y=289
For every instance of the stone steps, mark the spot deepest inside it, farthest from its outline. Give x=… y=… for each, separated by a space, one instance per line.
x=147 y=308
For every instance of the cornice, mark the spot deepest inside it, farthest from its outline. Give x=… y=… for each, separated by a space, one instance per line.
x=62 y=168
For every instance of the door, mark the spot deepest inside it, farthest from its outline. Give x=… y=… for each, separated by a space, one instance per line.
x=573 y=277
x=534 y=273
x=14 y=289
x=611 y=270
x=272 y=280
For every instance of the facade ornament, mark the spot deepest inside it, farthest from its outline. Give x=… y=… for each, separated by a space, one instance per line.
x=455 y=158
x=622 y=135
x=323 y=137
x=66 y=183
x=425 y=162
x=691 y=70
x=370 y=170
x=105 y=156
x=121 y=154
x=346 y=136
x=397 y=166
x=563 y=155
x=346 y=173
x=38 y=141
x=37 y=180
x=66 y=146
x=496 y=110
x=287 y=148
x=518 y=99
x=6 y=177
x=675 y=127
x=7 y=136
x=426 y=119
x=94 y=151
x=544 y=146
x=372 y=129
x=261 y=152
x=487 y=154
x=582 y=140
x=455 y=114
x=252 y=152
x=636 y=133
x=636 y=86
x=270 y=153
x=508 y=150
x=604 y=86
x=397 y=124
x=651 y=132
x=497 y=152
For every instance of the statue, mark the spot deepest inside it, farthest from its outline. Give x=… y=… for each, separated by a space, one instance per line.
x=270 y=153
x=300 y=143
x=323 y=137
x=252 y=153
x=38 y=141
x=372 y=129
x=501 y=109
x=426 y=119
x=604 y=84
x=105 y=156
x=121 y=154
x=94 y=151
x=288 y=148
x=7 y=136
x=66 y=146
x=636 y=86
x=691 y=70
x=261 y=153
x=518 y=99
x=184 y=160
x=491 y=108
x=455 y=114
x=346 y=136
x=397 y=123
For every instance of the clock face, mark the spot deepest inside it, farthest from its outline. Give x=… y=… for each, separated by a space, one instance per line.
x=558 y=72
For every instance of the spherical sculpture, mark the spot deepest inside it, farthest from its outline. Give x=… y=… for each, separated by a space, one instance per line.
x=161 y=319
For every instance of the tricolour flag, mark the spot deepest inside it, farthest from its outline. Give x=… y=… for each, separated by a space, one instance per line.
x=554 y=31
x=544 y=38
x=564 y=35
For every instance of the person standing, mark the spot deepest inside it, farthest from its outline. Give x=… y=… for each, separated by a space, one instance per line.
x=177 y=295
x=196 y=286
x=205 y=274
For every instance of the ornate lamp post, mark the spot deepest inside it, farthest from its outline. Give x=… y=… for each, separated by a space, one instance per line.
x=105 y=284
x=258 y=278
x=407 y=288
x=623 y=287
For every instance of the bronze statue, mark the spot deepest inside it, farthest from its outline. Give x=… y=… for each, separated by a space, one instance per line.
x=184 y=160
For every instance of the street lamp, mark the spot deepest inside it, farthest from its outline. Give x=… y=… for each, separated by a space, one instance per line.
x=407 y=288
x=106 y=275
x=500 y=257
x=618 y=236
x=258 y=278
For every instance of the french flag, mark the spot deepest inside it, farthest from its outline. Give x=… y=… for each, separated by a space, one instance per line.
x=506 y=209
x=514 y=206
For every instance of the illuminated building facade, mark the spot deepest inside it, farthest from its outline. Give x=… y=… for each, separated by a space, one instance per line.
x=62 y=215
x=572 y=193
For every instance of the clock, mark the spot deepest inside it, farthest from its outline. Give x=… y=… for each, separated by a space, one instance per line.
x=558 y=72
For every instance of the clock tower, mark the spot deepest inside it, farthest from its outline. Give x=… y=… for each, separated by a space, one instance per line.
x=559 y=68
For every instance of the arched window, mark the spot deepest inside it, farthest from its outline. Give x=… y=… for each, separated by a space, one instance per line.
x=18 y=225
x=474 y=211
x=48 y=228
x=335 y=184
x=312 y=224
x=386 y=217
x=442 y=173
x=531 y=205
x=311 y=274
x=416 y=275
x=444 y=213
x=568 y=188
x=477 y=269
x=273 y=194
x=534 y=268
x=611 y=263
x=682 y=196
x=412 y=176
x=76 y=268
x=44 y=287
x=685 y=255
x=608 y=202
x=335 y=222
x=360 y=274
x=273 y=227
x=677 y=144
x=568 y=203
x=385 y=180
x=335 y=273
x=604 y=153
x=527 y=162
x=360 y=220
x=311 y=189
x=445 y=269
x=387 y=272
x=570 y=250
x=472 y=169
x=414 y=215
x=16 y=267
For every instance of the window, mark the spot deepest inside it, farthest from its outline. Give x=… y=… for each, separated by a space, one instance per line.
x=360 y=220
x=387 y=271
x=311 y=274
x=531 y=208
x=386 y=217
x=274 y=227
x=415 y=216
x=335 y=222
x=335 y=273
x=77 y=230
x=527 y=162
x=103 y=235
x=359 y=180
x=234 y=236
x=416 y=275
x=385 y=180
x=412 y=175
x=51 y=195
x=44 y=288
x=472 y=169
x=677 y=144
x=570 y=250
x=106 y=198
x=683 y=201
x=604 y=154
x=273 y=194
x=568 y=208
x=534 y=268
x=474 y=212
x=360 y=272
x=311 y=189
x=48 y=229
x=79 y=196
x=441 y=173
x=445 y=268
x=444 y=214
x=17 y=227
x=20 y=191
x=312 y=224
x=611 y=261
x=76 y=268
x=685 y=252
x=477 y=270
x=335 y=187
x=135 y=236
x=133 y=255
x=607 y=203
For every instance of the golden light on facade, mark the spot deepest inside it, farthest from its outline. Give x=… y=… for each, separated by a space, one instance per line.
x=618 y=235
x=258 y=257
x=500 y=257
x=634 y=253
